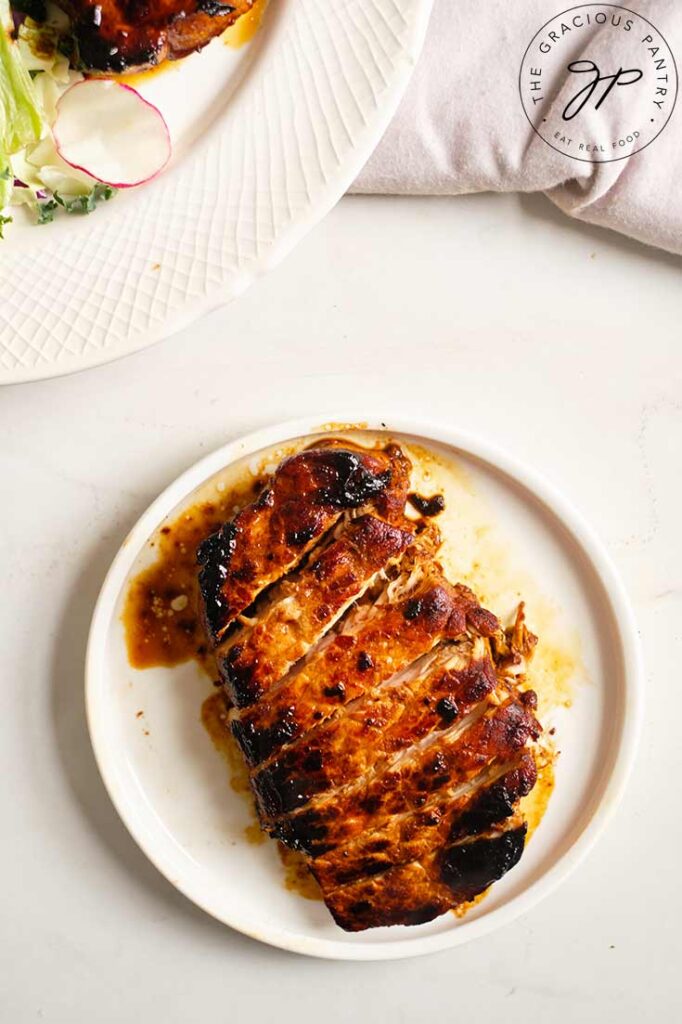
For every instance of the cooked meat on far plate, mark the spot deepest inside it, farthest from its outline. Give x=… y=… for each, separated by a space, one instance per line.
x=114 y=36
x=379 y=707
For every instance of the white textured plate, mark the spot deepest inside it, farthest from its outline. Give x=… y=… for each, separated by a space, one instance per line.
x=266 y=140
x=170 y=786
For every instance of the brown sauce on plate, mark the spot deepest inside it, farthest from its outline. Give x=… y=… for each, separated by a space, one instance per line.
x=297 y=877
x=534 y=805
x=214 y=721
x=161 y=616
x=245 y=28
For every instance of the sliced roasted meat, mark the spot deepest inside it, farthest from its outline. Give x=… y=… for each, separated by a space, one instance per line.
x=381 y=709
x=450 y=814
x=388 y=639
x=299 y=611
x=306 y=497
x=129 y=35
x=428 y=696
x=451 y=759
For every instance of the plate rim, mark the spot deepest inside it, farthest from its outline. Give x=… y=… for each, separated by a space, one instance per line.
x=536 y=484
x=243 y=277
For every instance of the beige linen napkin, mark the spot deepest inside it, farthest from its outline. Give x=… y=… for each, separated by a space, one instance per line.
x=461 y=126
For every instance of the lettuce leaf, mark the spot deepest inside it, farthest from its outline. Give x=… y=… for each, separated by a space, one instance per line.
x=21 y=119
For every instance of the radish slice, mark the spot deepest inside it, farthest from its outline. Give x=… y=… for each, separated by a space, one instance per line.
x=107 y=130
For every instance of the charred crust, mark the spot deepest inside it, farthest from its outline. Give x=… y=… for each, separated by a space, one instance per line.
x=302 y=832
x=215 y=555
x=258 y=744
x=378 y=846
x=438 y=765
x=279 y=791
x=423 y=914
x=427 y=507
x=350 y=483
x=265 y=499
x=447 y=709
x=313 y=761
x=470 y=868
x=364 y=661
x=370 y=804
x=496 y=803
x=247 y=738
x=369 y=533
x=337 y=690
x=239 y=678
x=365 y=914
x=413 y=608
x=435 y=605
x=214 y=8
x=96 y=52
x=518 y=726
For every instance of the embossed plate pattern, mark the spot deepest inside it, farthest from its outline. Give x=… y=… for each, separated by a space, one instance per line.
x=290 y=128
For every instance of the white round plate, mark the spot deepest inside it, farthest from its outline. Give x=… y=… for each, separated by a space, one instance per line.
x=265 y=140
x=169 y=784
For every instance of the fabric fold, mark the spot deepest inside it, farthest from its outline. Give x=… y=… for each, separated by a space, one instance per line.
x=462 y=128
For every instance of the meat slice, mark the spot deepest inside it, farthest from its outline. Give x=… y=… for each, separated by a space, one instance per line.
x=451 y=814
x=425 y=698
x=386 y=641
x=306 y=497
x=382 y=711
x=487 y=733
x=300 y=610
x=129 y=35
x=417 y=892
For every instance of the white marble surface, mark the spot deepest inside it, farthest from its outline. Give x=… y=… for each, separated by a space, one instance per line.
x=558 y=341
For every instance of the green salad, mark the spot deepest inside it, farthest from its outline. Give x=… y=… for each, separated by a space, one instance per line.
x=34 y=73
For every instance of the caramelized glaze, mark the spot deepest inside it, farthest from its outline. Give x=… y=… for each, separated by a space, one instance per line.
x=163 y=624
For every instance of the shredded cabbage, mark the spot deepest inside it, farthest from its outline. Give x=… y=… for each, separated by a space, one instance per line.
x=21 y=118
x=28 y=156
